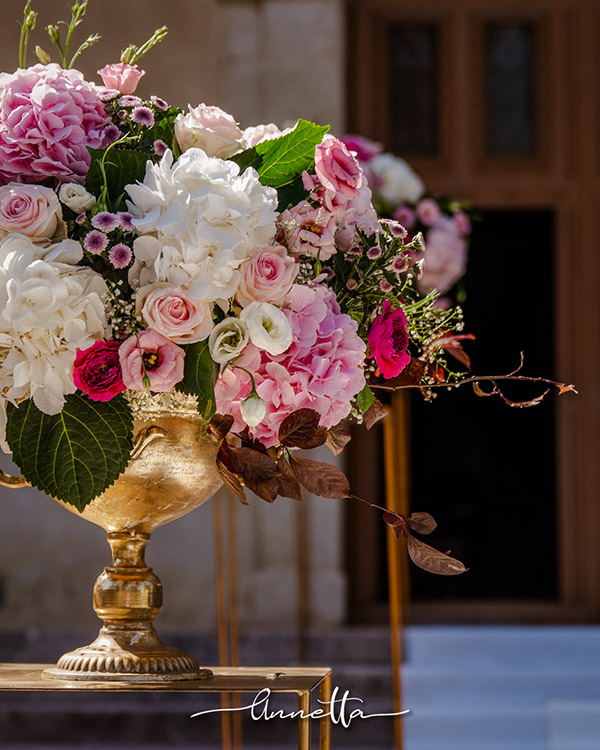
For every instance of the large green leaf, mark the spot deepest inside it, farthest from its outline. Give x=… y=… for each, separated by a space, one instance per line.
x=75 y=455
x=122 y=167
x=284 y=158
x=199 y=377
x=248 y=158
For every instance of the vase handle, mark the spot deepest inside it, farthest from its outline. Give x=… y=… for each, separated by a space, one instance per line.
x=7 y=480
x=144 y=438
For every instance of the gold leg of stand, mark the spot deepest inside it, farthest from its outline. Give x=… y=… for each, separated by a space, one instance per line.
x=325 y=722
x=226 y=725
x=396 y=482
x=304 y=720
x=234 y=618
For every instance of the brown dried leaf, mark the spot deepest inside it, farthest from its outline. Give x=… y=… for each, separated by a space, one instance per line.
x=432 y=560
x=422 y=523
x=288 y=484
x=258 y=471
x=226 y=469
x=563 y=388
x=219 y=426
x=478 y=390
x=300 y=429
x=338 y=437
x=375 y=413
x=524 y=404
x=396 y=521
x=321 y=479
x=411 y=375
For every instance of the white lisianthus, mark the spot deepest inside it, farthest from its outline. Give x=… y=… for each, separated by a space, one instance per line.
x=199 y=220
x=227 y=339
x=76 y=197
x=396 y=180
x=268 y=327
x=259 y=133
x=49 y=308
x=253 y=409
x=209 y=128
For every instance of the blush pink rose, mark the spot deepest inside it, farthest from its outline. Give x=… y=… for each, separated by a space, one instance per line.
x=337 y=168
x=97 y=371
x=161 y=359
x=122 y=77
x=208 y=128
x=388 y=341
x=267 y=276
x=173 y=313
x=32 y=210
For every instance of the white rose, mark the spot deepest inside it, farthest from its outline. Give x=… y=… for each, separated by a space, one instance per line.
x=76 y=197
x=268 y=327
x=396 y=180
x=259 y=133
x=227 y=340
x=253 y=409
x=208 y=128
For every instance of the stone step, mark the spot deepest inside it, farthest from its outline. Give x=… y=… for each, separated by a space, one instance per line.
x=428 y=687
x=573 y=725
x=478 y=646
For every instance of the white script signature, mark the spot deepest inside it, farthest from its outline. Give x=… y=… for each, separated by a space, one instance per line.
x=339 y=712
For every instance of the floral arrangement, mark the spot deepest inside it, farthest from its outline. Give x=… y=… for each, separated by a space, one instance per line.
x=445 y=223
x=148 y=251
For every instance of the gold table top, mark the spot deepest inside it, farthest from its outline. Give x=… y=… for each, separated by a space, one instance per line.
x=28 y=677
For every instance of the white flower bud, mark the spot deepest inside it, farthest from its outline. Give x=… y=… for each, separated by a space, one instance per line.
x=76 y=197
x=227 y=340
x=268 y=327
x=253 y=409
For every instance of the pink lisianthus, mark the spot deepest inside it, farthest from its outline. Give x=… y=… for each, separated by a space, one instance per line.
x=428 y=212
x=97 y=371
x=48 y=118
x=266 y=276
x=364 y=148
x=336 y=167
x=322 y=369
x=445 y=258
x=308 y=230
x=152 y=354
x=388 y=341
x=122 y=77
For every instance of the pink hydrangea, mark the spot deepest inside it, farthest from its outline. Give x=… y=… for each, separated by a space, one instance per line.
x=48 y=116
x=322 y=369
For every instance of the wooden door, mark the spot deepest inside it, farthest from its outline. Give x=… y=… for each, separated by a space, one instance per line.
x=498 y=101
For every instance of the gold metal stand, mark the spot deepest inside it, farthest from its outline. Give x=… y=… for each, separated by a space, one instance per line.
x=224 y=680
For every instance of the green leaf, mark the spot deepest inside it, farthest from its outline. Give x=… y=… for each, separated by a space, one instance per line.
x=365 y=399
x=284 y=158
x=75 y=455
x=291 y=194
x=248 y=158
x=123 y=167
x=199 y=377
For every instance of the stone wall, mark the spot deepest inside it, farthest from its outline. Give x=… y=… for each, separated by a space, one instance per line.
x=262 y=61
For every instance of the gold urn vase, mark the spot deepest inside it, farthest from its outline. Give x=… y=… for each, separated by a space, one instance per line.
x=171 y=472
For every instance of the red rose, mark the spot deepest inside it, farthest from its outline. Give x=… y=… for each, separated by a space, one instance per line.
x=97 y=371
x=388 y=341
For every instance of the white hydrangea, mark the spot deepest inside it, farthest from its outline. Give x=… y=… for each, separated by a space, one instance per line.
x=395 y=179
x=199 y=220
x=49 y=308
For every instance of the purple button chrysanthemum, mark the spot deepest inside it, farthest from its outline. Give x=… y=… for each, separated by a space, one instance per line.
x=125 y=218
x=120 y=255
x=111 y=134
x=129 y=101
x=95 y=242
x=159 y=147
x=159 y=103
x=143 y=116
x=374 y=252
x=105 y=221
x=385 y=286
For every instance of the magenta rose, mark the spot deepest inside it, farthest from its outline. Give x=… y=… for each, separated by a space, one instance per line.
x=337 y=168
x=388 y=341
x=97 y=371
x=151 y=354
x=267 y=276
x=122 y=77
x=364 y=148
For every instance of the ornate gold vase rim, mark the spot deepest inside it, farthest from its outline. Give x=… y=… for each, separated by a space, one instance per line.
x=145 y=406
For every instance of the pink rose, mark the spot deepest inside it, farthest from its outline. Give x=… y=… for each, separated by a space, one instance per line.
x=267 y=276
x=428 y=212
x=98 y=371
x=173 y=313
x=150 y=353
x=336 y=167
x=388 y=341
x=462 y=223
x=122 y=77
x=31 y=210
x=208 y=128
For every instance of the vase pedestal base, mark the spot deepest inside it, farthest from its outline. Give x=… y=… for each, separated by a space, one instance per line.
x=138 y=656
